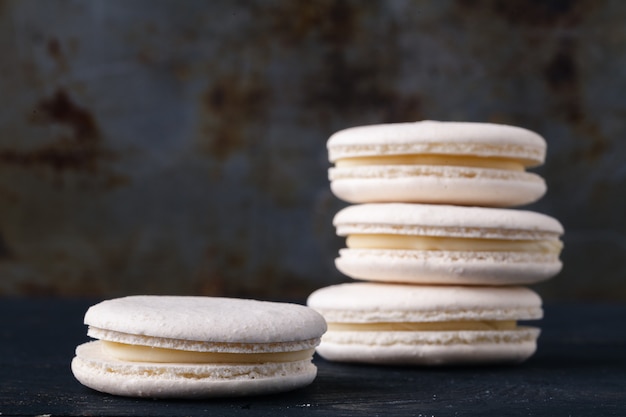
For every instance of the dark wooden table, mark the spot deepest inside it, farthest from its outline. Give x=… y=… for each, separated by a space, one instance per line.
x=579 y=370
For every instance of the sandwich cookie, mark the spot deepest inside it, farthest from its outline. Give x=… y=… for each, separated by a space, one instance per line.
x=457 y=163
x=397 y=324
x=441 y=244
x=194 y=347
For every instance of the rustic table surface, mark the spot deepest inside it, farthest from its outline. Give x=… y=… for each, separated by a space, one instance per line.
x=579 y=370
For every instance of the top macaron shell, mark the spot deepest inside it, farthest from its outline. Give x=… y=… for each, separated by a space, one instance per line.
x=466 y=264
x=446 y=220
x=433 y=137
x=366 y=302
x=438 y=184
x=174 y=320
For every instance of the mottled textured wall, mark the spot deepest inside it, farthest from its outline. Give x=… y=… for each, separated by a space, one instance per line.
x=179 y=146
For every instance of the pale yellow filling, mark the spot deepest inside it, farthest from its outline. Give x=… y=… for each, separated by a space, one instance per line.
x=437 y=160
x=138 y=353
x=441 y=326
x=389 y=241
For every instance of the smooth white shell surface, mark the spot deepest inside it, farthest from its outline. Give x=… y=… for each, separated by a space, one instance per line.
x=207 y=319
x=365 y=302
x=433 y=137
x=446 y=220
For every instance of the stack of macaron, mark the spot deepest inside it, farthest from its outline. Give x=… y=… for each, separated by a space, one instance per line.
x=440 y=254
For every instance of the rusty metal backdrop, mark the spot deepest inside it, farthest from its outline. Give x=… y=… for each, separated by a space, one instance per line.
x=156 y=146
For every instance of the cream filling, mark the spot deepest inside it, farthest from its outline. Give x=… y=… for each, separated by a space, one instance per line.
x=406 y=242
x=439 y=326
x=139 y=353
x=438 y=160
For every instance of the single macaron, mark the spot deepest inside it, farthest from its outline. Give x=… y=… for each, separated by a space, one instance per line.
x=399 y=324
x=457 y=163
x=442 y=244
x=197 y=347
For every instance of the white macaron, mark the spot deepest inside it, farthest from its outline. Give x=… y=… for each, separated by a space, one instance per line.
x=195 y=347
x=426 y=325
x=457 y=163
x=441 y=244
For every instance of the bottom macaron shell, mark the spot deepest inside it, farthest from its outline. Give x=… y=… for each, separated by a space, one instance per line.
x=439 y=185
x=430 y=348
x=447 y=267
x=169 y=380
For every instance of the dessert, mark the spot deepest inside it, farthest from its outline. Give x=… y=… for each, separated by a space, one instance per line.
x=457 y=163
x=441 y=244
x=398 y=324
x=194 y=347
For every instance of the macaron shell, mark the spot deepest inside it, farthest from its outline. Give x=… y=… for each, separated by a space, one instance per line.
x=436 y=185
x=207 y=319
x=430 y=348
x=448 y=267
x=434 y=137
x=446 y=220
x=369 y=302
x=97 y=371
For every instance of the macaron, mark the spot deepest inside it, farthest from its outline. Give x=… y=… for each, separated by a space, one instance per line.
x=456 y=163
x=395 y=324
x=197 y=347
x=443 y=244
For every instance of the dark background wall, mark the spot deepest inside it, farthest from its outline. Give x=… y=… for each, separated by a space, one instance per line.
x=179 y=146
